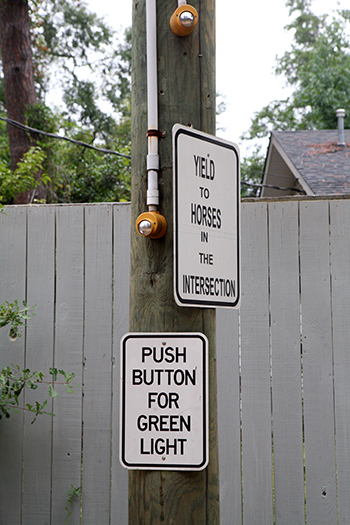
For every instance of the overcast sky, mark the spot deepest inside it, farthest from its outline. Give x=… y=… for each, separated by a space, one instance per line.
x=249 y=37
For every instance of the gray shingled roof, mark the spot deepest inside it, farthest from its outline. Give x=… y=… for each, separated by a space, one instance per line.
x=324 y=165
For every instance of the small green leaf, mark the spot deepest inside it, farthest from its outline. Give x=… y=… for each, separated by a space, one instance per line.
x=53 y=372
x=52 y=393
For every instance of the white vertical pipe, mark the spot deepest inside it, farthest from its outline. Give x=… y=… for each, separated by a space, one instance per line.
x=152 y=101
x=340 y=115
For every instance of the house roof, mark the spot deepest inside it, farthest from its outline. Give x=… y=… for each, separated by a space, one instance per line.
x=308 y=161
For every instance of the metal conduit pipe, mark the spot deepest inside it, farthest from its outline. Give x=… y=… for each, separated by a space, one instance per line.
x=152 y=101
x=152 y=224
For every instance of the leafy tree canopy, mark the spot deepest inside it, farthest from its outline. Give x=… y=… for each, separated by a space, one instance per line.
x=93 y=66
x=317 y=67
x=87 y=66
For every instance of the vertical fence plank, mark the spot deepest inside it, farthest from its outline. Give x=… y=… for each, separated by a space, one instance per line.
x=39 y=356
x=67 y=425
x=227 y=350
x=317 y=364
x=12 y=287
x=119 y=486
x=340 y=265
x=97 y=364
x=256 y=396
x=286 y=370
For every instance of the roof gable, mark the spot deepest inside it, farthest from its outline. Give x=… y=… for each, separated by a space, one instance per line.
x=308 y=160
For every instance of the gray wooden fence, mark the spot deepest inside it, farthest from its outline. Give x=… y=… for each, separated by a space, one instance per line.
x=283 y=365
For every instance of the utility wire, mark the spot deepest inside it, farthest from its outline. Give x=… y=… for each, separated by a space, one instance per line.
x=40 y=132
x=302 y=192
x=255 y=172
x=111 y=152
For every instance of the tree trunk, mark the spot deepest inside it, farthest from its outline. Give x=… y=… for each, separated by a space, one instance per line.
x=19 y=86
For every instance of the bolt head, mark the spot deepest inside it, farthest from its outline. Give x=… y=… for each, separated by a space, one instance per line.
x=187 y=19
x=145 y=227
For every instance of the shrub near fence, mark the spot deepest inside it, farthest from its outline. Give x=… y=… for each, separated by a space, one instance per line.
x=283 y=364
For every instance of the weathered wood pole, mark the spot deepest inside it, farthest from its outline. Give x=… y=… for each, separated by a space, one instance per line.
x=186 y=84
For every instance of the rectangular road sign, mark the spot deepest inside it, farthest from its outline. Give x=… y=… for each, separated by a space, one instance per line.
x=164 y=401
x=206 y=220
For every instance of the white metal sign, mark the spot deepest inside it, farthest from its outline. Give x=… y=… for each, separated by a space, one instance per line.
x=164 y=401
x=206 y=220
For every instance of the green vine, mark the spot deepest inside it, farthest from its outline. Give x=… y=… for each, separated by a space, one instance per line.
x=72 y=494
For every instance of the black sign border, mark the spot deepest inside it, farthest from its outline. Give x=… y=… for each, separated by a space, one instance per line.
x=195 y=302
x=162 y=466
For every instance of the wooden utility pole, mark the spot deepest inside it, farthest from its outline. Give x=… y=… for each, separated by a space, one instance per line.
x=187 y=95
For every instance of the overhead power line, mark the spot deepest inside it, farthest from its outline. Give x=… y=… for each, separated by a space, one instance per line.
x=111 y=152
x=51 y=135
x=259 y=173
x=272 y=187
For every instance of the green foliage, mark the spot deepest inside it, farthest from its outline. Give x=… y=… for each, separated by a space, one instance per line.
x=24 y=177
x=252 y=168
x=317 y=67
x=14 y=380
x=39 y=116
x=79 y=56
x=72 y=494
x=95 y=177
x=4 y=141
x=94 y=67
x=10 y=314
